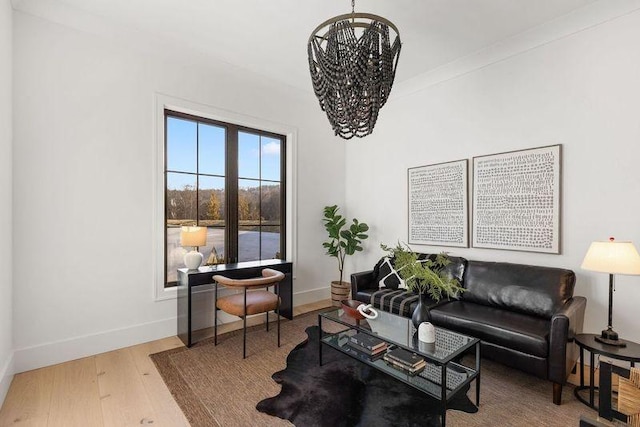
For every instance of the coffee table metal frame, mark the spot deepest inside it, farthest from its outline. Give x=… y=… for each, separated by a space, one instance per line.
x=422 y=382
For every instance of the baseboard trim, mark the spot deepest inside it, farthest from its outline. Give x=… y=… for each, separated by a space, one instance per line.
x=311 y=296
x=6 y=376
x=39 y=356
x=26 y=359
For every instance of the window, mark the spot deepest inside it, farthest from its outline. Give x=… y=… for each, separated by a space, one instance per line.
x=228 y=178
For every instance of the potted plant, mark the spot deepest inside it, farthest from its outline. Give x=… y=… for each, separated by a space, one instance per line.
x=424 y=277
x=342 y=242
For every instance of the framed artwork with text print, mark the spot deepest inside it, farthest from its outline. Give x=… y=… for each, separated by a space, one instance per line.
x=516 y=200
x=439 y=204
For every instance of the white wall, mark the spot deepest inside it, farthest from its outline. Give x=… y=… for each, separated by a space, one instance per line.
x=581 y=90
x=6 y=282
x=83 y=183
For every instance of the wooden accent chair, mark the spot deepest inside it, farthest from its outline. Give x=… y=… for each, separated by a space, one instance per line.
x=255 y=299
x=628 y=394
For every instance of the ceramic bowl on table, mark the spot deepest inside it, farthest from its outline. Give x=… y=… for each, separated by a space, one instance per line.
x=350 y=307
x=358 y=310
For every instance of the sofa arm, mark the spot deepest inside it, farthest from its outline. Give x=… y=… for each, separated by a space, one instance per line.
x=362 y=280
x=565 y=325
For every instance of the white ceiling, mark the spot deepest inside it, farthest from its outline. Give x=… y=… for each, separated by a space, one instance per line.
x=269 y=36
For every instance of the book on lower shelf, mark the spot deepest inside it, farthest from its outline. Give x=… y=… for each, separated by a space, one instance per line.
x=405 y=357
x=411 y=370
x=372 y=354
x=369 y=356
x=367 y=341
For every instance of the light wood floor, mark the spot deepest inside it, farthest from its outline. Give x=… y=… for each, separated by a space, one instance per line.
x=118 y=388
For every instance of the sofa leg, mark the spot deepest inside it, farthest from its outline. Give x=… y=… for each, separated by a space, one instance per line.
x=557 y=393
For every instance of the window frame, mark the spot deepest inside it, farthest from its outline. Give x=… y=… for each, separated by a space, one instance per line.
x=211 y=115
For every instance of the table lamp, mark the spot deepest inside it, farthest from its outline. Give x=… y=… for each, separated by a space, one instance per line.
x=614 y=258
x=193 y=237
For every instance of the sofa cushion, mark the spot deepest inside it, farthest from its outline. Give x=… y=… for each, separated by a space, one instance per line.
x=387 y=276
x=528 y=289
x=521 y=332
x=456 y=267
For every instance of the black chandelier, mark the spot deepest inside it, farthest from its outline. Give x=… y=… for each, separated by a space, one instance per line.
x=353 y=63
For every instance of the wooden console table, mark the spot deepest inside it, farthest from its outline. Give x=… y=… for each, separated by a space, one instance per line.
x=190 y=279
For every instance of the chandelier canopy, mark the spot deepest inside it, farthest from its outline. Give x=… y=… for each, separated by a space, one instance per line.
x=353 y=61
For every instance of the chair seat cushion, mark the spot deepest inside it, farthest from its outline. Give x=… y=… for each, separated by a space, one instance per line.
x=257 y=302
x=517 y=331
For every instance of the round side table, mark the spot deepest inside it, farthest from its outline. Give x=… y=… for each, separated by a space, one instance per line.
x=630 y=353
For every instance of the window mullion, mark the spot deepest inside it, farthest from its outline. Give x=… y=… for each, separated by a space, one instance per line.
x=232 y=194
x=260 y=197
x=283 y=198
x=198 y=174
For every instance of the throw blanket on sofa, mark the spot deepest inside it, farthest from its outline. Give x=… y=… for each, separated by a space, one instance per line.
x=396 y=301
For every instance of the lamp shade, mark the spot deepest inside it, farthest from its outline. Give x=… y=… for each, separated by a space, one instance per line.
x=612 y=257
x=193 y=236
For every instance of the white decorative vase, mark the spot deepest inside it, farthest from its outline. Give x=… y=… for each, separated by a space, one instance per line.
x=192 y=260
x=426 y=332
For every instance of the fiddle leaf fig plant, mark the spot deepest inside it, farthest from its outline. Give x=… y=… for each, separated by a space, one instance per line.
x=341 y=241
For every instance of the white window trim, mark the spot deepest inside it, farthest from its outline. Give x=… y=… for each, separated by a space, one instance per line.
x=163 y=102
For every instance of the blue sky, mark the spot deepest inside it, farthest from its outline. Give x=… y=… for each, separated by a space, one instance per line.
x=182 y=146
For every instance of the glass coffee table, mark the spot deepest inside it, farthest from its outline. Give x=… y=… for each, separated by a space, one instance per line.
x=443 y=376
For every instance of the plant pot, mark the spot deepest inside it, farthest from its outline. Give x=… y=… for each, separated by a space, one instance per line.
x=421 y=312
x=339 y=291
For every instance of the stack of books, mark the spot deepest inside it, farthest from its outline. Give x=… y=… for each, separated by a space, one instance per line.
x=369 y=345
x=405 y=360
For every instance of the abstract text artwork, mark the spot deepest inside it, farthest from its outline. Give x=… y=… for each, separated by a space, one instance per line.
x=516 y=200
x=438 y=204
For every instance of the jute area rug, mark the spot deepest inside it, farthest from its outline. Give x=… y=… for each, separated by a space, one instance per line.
x=215 y=387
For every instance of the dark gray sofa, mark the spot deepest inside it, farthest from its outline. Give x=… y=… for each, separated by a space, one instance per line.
x=525 y=315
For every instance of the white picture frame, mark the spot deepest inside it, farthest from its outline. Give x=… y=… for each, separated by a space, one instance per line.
x=439 y=204
x=516 y=200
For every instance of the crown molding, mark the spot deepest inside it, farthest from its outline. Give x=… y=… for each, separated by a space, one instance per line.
x=585 y=18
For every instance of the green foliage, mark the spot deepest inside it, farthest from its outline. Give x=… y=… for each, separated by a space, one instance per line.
x=424 y=276
x=342 y=242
